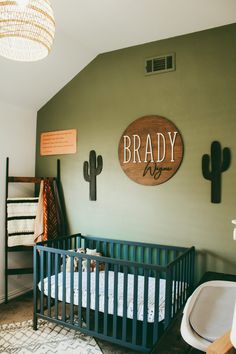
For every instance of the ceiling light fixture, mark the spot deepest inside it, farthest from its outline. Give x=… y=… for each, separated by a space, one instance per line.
x=27 y=29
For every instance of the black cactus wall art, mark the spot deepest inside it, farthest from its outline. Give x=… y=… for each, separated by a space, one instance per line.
x=91 y=170
x=213 y=166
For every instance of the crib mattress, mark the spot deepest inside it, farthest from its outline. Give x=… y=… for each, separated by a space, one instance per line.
x=120 y=284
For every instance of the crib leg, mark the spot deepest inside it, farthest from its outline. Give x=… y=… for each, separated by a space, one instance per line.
x=35 y=290
x=35 y=322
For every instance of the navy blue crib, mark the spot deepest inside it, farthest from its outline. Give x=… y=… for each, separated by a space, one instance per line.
x=158 y=276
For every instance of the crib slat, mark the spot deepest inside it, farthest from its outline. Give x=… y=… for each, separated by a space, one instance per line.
x=178 y=287
x=42 y=281
x=104 y=249
x=180 y=283
x=119 y=250
x=96 y=296
x=142 y=255
x=166 y=256
x=145 y=308
x=186 y=279
x=49 y=282
x=175 y=284
x=100 y=247
x=63 y=288
x=78 y=242
x=158 y=256
x=175 y=254
x=52 y=263
x=134 y=253
x=192 y=269
x=168 y=297
x=72 y=290
x=112 y=250
x=135 y=307
x=126 y=252
x=191 y=275
x=88 y=295
x=125 y=290
x=119 y=253
x=80 y=274
x=106 y=285
x=156 y=309
x=187 y=276
x=35 y=282
x=149 y=255
x=189 y=272
x=56 y=284
x=142 y=259
x=115 y=287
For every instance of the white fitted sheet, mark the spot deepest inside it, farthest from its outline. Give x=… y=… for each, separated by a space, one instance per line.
x=120 y=284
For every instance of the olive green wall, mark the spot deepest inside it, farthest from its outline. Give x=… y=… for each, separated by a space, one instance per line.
x=199 y=97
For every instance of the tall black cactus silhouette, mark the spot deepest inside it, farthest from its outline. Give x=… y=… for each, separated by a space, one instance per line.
x=95 y=165
x=220 y=162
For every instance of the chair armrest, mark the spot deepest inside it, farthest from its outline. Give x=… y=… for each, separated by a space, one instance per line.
x=222 y=345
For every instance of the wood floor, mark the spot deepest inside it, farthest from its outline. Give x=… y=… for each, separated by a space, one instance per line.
x=21 y=309
x=173 y=343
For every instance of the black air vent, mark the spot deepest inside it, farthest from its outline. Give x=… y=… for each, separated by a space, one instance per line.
x=160 y=64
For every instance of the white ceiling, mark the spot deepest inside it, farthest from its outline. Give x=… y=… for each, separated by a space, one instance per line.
x=86 y=28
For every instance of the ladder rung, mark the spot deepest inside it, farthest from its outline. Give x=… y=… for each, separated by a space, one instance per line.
x=15 y=271
x=20 y=249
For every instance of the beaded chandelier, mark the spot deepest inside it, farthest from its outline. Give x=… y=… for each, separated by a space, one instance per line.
x=27 y=29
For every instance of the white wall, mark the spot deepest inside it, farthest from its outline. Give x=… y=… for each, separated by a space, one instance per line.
x=17 y=141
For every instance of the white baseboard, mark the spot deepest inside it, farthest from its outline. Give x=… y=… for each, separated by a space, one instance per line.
x=14 y=293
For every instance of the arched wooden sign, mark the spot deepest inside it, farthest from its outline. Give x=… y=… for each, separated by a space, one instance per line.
x=151 y=150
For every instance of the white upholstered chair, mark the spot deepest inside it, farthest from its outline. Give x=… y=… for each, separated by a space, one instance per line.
x=233 y=331
x=208 y=313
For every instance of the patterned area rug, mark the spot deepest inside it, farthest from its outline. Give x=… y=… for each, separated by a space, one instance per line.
x=49 y=338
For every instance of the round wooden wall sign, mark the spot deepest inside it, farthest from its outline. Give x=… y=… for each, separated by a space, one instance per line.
x=151 y=150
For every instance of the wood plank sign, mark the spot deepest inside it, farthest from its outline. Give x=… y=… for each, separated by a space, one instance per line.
x=58 y=142
x=151 y=150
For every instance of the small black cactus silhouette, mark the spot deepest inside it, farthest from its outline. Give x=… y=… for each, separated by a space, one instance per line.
x=95 y=165
x=220 y=162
